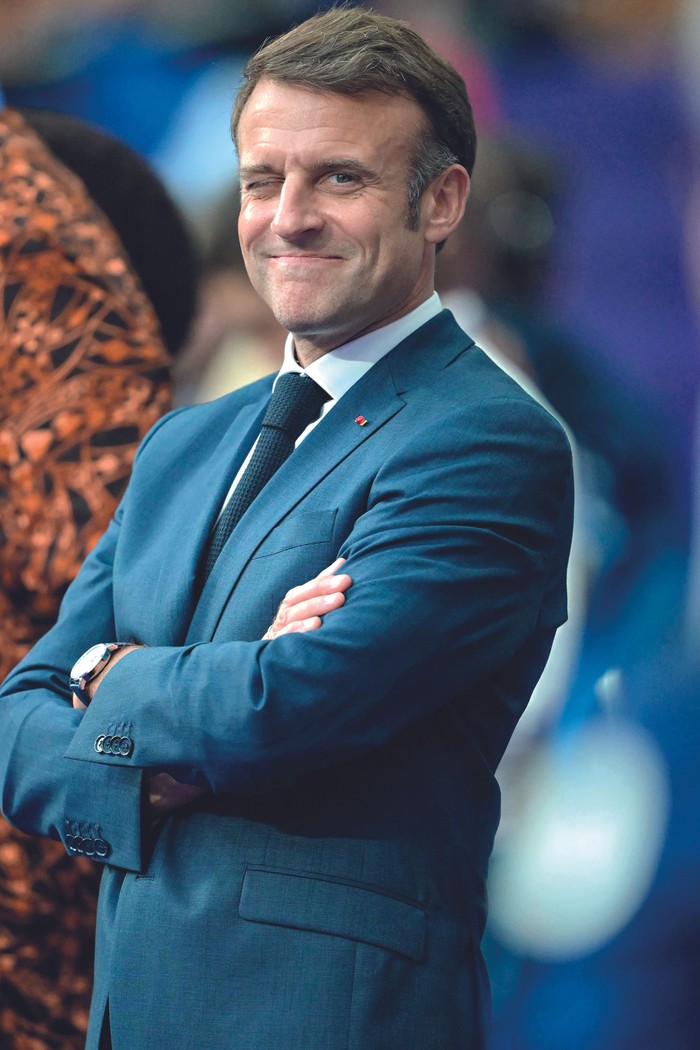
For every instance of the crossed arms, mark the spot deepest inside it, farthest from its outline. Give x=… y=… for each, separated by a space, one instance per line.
x=457 y=561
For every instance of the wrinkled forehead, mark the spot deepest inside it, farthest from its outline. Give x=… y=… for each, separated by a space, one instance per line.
x=280 y=107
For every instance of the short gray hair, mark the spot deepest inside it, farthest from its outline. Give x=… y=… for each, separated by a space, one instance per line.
x=428 y=160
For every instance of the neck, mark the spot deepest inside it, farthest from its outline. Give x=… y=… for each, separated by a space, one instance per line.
x=309 y=348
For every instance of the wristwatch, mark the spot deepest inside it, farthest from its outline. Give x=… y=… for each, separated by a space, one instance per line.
x=87 y=667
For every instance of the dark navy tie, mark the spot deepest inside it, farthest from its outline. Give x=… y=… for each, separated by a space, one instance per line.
x=296 y=401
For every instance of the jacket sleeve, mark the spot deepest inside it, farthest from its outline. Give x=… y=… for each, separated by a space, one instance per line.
x=42 y=791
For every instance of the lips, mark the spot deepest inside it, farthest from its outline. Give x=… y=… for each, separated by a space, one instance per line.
x=310 y=258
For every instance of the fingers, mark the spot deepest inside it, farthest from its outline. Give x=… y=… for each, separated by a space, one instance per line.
x=305 y=615
x=331 y=569
x=303 y=606
x=310 y=608
x=324 y=584
x=294 y=627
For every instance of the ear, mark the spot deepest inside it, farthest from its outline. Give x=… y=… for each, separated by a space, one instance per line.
x=444 y=202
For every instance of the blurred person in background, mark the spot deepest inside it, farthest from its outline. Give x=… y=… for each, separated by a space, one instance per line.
x=593 y=942
x=599 y=88
x=97 y=290
x=601 y=743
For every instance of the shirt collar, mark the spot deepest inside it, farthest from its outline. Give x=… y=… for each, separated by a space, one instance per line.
x=341 y=368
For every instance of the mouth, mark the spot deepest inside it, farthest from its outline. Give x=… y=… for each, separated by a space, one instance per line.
x=307 y=258
x=303 y=267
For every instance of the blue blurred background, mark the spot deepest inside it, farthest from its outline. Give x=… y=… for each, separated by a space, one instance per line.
x=578 y=267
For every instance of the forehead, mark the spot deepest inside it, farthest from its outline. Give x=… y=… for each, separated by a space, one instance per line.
x=290 y=118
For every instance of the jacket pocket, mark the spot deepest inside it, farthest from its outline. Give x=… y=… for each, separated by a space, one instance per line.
x=343 y=909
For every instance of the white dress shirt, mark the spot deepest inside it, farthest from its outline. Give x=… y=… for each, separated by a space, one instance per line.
x=341 y=368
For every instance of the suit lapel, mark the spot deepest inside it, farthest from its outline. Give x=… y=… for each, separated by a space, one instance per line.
x=374 y=398
x=199 y=485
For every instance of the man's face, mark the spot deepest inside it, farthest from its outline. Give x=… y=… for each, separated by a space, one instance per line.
x=323 y=211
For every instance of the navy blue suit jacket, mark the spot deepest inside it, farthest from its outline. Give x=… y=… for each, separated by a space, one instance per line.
x=329 y=889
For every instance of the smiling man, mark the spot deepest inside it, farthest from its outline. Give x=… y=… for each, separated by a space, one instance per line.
x=295 y=808
x=324 y=211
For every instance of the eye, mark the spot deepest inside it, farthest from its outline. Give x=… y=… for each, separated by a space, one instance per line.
x=259 y=187
x=342 y=178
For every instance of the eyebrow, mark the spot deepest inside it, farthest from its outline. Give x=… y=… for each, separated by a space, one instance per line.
x=349 y=164
x=256 y=169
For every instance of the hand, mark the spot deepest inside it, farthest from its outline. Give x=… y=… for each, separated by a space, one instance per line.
x=166 y=794
x=302 y=607
x=94 y=685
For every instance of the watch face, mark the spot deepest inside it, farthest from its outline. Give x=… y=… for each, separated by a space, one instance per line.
x=89 y=660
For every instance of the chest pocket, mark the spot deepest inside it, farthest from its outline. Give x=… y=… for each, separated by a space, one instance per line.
x=302 y=529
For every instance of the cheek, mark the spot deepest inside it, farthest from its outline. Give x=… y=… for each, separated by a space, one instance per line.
x=252 y=222
x=244 y=234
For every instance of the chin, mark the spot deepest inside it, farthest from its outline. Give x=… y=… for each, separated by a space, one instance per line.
x=313 y=320
x=298 y=324
x=300 y=321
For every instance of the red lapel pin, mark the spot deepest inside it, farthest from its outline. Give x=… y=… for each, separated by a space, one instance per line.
x=361 y=421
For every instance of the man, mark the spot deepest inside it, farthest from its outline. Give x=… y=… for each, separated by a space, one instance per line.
x=295 y=828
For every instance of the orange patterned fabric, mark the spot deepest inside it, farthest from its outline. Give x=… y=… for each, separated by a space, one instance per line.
x=83 y=375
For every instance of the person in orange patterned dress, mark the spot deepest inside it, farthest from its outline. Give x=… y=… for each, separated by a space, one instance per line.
x=97 y=289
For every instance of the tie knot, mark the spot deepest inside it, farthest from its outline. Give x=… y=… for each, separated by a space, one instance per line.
x=296 y=401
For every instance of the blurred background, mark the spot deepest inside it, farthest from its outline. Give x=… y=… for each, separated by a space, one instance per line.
x=577 y=267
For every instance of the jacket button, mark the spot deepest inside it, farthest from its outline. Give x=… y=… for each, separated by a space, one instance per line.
x=126 y=746
x=107 y=745
x=99 y=742
x=102 y=848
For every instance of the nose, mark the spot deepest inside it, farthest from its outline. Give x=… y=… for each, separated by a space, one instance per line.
x=296 y=213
